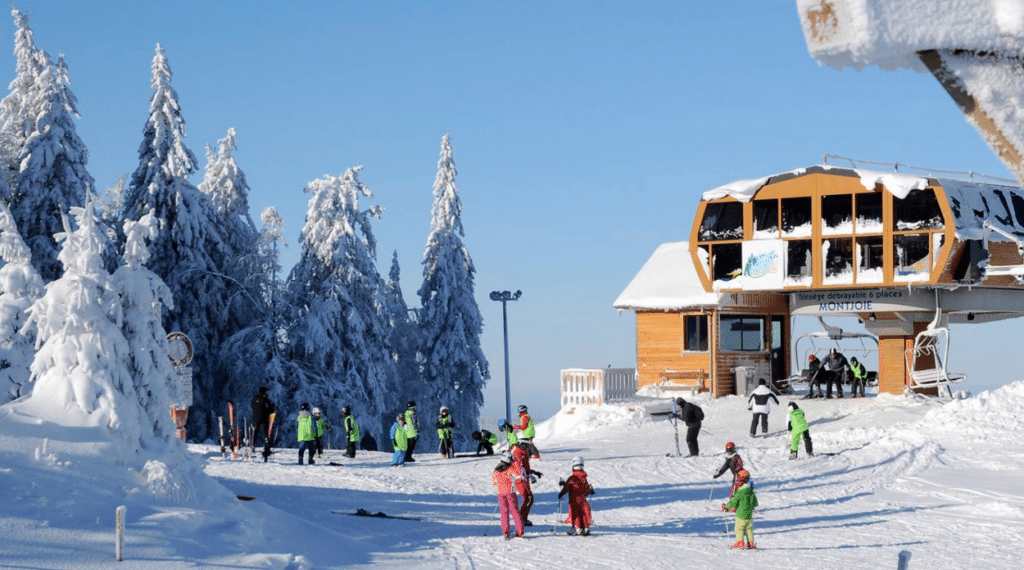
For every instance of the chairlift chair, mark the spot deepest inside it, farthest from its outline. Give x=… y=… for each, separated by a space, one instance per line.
x=926 y=361
x=833 y=335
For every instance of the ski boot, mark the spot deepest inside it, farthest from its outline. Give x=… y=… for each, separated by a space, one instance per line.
x=526 y=522
x=792 y=455
x=571 y=532
x=740 y=545
x=585 y=532
x=508 y=536
x=750 y=546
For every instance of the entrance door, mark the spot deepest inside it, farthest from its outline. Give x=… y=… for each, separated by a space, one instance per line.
x=778 y=350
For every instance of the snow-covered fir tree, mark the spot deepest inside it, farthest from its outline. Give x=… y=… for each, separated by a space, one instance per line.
x=257 y=355
x=454 y=365
x=20 y=286
x=143 y=296
x=53 y=176
x=341 y=333
x=15 y=117
x=404 y=339
x=187 y=252
x=81 y=363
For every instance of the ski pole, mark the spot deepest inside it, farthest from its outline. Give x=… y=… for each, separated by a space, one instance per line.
x=494 y=512
x=558 y=517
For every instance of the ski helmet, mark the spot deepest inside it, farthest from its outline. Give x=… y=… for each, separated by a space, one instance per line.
x=304 y=407
x=810 y=358
x=730 y=447
x=577 y=463
x=346 y=410
x=316 y=411
x=853 y=360
x=444 y=409
x=502 y=423
x=411 y=404
x=522 y=408
x=743 y=475
x=793 y=406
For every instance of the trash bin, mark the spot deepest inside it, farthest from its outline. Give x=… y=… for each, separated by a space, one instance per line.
x=745 y=379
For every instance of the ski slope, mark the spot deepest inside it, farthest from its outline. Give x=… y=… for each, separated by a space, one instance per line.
x=937 y=479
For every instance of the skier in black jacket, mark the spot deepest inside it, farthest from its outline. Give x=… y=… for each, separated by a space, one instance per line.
x=262 y=407
x=692 y=416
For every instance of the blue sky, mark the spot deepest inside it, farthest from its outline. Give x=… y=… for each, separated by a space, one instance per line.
x=584 y=133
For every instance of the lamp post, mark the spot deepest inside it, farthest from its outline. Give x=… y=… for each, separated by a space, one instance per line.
x=505 y=297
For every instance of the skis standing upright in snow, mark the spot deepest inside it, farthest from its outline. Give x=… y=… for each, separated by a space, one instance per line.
x=232 y=434
x=223 y=449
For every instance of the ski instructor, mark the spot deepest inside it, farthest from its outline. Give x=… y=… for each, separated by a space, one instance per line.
x=692 y=416
x=262 y=407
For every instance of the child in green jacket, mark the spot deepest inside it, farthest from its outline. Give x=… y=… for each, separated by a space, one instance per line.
x=798 y=427
x=743 y=503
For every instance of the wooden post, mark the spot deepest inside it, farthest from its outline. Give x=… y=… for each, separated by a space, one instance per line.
x=119 y=532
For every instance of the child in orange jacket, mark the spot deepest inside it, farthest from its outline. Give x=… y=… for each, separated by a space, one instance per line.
x=503 y=478
x=579 y=508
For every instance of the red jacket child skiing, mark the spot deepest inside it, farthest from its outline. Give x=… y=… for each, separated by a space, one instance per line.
x=521 y=466
x=503 y=478
x=734 y=463
x=579 y=508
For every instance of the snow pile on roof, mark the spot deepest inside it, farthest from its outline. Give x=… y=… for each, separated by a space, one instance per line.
x=889 y=33
x=667 y=281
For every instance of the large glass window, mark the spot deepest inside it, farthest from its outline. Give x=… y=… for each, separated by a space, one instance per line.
x=838 y=257
x=798 y=262
x=766 y=219
x=869 y=213
x=796 y=217
x=726 y=261
x=912 y=260
x=722 y=220
x=869 y=259
x=744 y=334
x=919 y=210
x=837 y=214
x=696 y=333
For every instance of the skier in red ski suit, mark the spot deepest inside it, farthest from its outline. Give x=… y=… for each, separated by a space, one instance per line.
x=521 y=465
x=579 y=508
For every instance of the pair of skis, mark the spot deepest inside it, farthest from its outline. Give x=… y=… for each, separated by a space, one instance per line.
x=235 y=440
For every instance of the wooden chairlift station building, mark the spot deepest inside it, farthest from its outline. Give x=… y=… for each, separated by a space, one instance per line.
x=906 y=254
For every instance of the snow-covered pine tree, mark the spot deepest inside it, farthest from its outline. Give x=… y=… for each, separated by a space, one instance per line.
x=187 y=252
x=454 y=365
x=405 y=341
x=224 y=182
x=15 y=119
x=20 y=286
x=341 y=333
x=53 y=177
x=143 y=296
x=257 y=354
x=80 y=366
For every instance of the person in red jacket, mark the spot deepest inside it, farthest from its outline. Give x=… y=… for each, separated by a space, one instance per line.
x=503 y=478
x=579 y=508
x=525 y=476
x=734 y=463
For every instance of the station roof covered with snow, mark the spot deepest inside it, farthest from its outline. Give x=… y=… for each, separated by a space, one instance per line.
x=972 y=202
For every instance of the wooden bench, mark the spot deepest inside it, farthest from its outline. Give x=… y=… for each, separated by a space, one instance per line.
x=683 y=380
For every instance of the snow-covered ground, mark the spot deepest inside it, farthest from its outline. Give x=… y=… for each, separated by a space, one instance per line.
x=937 y=479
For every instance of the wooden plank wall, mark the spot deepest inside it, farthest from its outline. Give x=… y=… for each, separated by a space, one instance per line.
x=659 y=346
